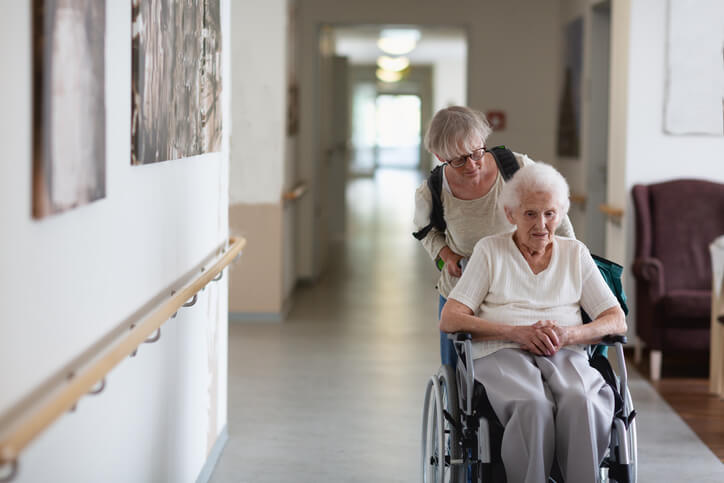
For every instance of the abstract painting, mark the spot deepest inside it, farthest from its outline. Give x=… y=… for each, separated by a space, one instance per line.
x=176 y=79
x=69 y=128
x=569 y=112
x=694 y=98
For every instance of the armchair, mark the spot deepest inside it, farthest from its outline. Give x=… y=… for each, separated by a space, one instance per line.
x=675 y=223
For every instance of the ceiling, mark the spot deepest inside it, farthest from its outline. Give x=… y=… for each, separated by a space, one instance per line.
x=358 y=43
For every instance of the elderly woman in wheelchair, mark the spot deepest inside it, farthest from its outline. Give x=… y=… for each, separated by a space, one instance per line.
x=520 y=299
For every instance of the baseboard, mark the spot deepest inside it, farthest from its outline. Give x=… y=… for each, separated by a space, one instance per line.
x=263 y=316
x=256 y=317
x=213 y=457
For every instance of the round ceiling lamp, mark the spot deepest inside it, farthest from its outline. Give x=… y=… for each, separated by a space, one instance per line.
x=388 y=75
x=398 y=41
x=393 y=64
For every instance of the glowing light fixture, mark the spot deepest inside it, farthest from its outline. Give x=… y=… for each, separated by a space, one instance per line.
x=398 y=41
x=388 y=76
x=393 y=64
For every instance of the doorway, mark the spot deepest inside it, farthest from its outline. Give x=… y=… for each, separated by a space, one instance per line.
x=386 y=131
x=597 y=155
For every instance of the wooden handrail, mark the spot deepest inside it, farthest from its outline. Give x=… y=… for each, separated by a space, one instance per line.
x=295 y=193
x=611 y=211
x=37 y=412
x=578 y=198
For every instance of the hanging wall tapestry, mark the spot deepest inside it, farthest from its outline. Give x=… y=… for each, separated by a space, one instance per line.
x=176 y=79
x=69 y=128
x=569 y=108
x=694 y=102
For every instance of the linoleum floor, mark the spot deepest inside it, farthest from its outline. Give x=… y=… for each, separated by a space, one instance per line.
x=334 y=393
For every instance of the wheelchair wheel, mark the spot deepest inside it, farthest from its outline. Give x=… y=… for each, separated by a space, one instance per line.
x=441 y=452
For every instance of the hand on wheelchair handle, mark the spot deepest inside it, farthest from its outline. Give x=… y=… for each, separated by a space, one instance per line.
x=451 y=261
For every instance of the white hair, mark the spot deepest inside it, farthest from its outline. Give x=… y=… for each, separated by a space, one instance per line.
x=456 y=130
x=536 y=177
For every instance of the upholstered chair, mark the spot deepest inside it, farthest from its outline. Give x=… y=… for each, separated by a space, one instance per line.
x=675 y=223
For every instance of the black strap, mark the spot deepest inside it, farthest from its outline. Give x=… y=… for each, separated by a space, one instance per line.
x=601 y=364
x=507 y=165
x=437 y=220
x=506 y=161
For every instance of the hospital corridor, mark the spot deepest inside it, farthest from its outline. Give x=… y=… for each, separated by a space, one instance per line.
x=208 y=271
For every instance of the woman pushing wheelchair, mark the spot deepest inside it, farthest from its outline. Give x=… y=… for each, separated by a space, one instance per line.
x=469 y=190
x=520 y=297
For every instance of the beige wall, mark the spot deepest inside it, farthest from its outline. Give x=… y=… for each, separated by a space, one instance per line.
x=573 y=169
x=255 y=288
x=262 y=159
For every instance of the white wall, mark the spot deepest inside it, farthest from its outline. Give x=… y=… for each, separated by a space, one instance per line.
x=449 y=83
x=639 y=150
x=69 y=279
x=259 y=66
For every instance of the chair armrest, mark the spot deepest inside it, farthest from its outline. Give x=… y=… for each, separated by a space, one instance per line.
x=650 y=271
x=613 y=339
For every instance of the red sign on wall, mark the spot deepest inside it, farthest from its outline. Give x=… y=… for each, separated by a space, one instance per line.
x=496 y=120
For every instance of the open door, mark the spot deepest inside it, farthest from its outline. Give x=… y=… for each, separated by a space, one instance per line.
x=597 y=155
x=338 y=155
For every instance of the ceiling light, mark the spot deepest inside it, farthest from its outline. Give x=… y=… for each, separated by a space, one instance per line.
x=394 y=64
x=388 y=76
x=398 y=41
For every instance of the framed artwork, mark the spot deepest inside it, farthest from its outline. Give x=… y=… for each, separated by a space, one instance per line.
x=69 y=128
x=569 y=111
x=292 y=84
x=694 y=93
x=292 y=110
x=176 y=79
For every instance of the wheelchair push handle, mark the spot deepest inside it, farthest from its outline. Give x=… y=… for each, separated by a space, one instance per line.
x=440 y=263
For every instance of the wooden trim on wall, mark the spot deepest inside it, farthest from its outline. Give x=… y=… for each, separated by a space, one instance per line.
x=295 y=193
x=614 y=213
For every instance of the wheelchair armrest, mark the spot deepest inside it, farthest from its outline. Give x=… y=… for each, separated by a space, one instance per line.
x=613 y=339
x=463 y=348
x=460 y=336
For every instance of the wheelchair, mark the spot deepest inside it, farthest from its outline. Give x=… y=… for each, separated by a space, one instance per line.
x=461 y=434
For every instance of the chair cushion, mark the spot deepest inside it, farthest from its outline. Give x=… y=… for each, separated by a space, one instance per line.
x=685 y=305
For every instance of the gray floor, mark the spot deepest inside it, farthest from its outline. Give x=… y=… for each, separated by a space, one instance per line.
x=334 y=394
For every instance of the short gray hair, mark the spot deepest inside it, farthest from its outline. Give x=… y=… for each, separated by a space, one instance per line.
x=533 y=178
x=456 y=130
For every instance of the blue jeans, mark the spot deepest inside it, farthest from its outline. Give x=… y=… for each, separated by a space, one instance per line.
x=447 y=349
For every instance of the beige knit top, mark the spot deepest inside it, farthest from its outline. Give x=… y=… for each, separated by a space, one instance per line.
x=467 y=222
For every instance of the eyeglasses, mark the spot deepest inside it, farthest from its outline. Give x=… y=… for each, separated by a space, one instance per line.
x=460 y=161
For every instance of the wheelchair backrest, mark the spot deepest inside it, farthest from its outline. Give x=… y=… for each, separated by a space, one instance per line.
x=611 y=272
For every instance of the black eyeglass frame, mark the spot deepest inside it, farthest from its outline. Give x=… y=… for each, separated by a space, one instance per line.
x=460 y=161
